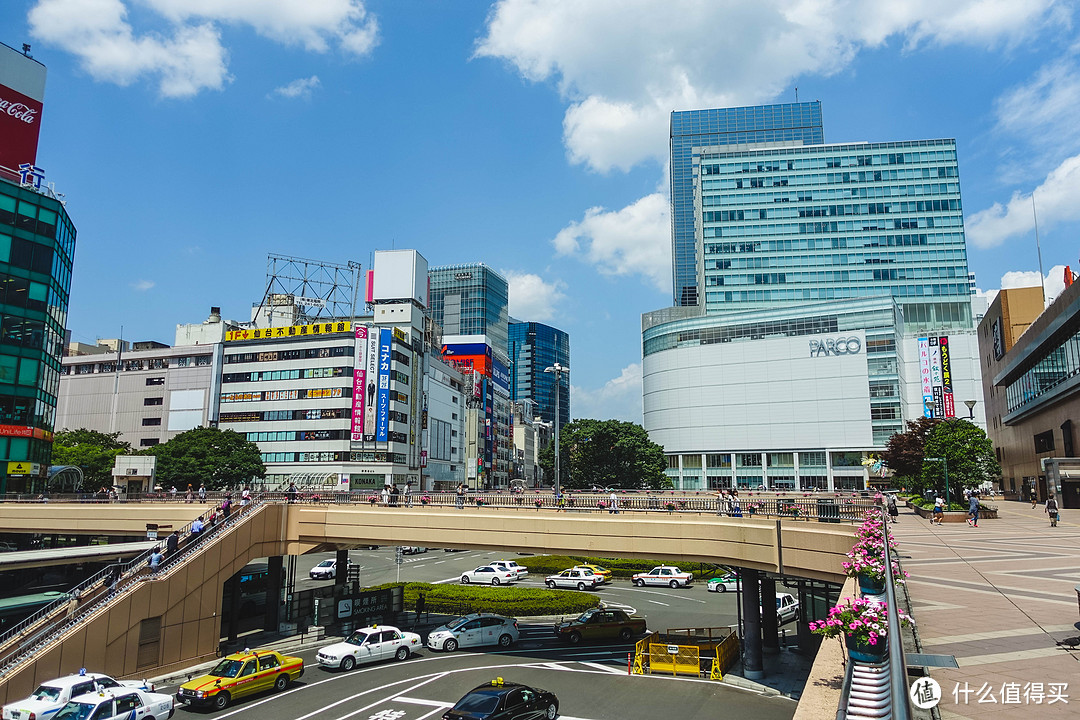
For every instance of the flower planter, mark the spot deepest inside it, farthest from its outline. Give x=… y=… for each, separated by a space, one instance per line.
x=861 y=651
x=870 y=585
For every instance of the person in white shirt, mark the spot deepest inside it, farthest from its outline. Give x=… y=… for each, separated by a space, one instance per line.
x=613 y=508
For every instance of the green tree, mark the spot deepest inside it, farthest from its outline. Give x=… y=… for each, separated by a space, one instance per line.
x=606 y=453
x=968 y=452
x=209 y=456
x=904 y=452
x=92 y=451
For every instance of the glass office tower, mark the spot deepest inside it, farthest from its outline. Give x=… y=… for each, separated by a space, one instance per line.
x=533 y=348
x=37 y=244
x=793 y=123
x=470 y=299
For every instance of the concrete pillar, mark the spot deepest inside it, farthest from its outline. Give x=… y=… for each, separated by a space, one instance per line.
x=753 y=666
x=769 y=629
x=342 y=574
x=232 y=612
x=274 y=582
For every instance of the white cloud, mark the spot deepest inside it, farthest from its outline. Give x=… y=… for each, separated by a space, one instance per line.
x=1033 y=108
x=143 y=285
x=618 y=399
x=182 y=47
x=1055 y=200
x=635 y=240
x=623 y=70
x=1053 y=284
x=299 y=88
x=531 y=298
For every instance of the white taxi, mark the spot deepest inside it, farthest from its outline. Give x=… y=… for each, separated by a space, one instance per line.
x=52 y=695
x=489 y=575
x=521 y=570
x=117 y=704
x=579 y=578
x=664 y=575
x=370 y=644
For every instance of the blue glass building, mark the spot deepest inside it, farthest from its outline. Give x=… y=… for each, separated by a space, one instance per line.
x=470 y=299
x=534 y=347
x=793 y=123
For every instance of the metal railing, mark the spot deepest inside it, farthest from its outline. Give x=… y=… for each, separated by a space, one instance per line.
x=897 y=660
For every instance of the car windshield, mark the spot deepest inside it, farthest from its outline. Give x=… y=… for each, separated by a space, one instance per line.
x=325 y=563
x=597 y=568
x=478 y=703
x=357 y=638
x=226 y=668
x=584 y=617
x=75 y=711
x=46 y=692
x=778 y=601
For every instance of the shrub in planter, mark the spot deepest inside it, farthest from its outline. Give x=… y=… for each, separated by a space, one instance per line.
x=425 y=499
x=864 y=625
x=510 y=601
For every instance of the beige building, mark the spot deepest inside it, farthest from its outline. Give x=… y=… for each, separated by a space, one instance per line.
x=1031 y=386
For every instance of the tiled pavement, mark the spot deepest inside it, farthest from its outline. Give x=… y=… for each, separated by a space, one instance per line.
x=998 y=597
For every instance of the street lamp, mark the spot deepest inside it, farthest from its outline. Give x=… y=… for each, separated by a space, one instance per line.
x=971 y=408
x=558 y=370
x=944 y=464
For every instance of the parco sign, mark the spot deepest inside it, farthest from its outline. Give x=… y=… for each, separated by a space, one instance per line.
x=835 y=346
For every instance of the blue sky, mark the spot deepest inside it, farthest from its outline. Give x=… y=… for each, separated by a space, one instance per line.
x=193 y=137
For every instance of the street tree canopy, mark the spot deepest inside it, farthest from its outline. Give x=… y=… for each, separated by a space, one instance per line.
x=966 y=450
x=904 y=452
x=606 y=453
x=92 y=451
x=207 y=456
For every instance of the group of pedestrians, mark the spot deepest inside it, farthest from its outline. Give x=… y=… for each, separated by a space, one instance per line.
x=727 y=503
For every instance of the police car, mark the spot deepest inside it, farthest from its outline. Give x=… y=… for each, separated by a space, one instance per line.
x=52 y=695
x=118 y=704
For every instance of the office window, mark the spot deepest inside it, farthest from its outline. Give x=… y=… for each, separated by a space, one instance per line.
x=149 y=442
x=155 y=381
x=151 y=422
x=153 y=401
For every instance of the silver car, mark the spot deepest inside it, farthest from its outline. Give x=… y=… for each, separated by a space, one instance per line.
x=473 y=631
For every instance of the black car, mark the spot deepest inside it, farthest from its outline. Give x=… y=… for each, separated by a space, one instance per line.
x=500 y=700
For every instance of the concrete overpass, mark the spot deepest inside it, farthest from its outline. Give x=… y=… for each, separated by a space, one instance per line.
x=172 y=620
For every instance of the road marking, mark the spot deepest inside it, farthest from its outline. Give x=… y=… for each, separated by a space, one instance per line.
x=420 y=701
x=657 y=602
x=605 y=668
x=456 y=578
x=439 y=562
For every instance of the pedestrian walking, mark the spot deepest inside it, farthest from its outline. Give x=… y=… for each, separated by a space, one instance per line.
x=245 y=496
x=939 y=511
x=408 y=493
x=1052 y=510
x=394 y=495
x=155 y=560
x=202 y=493
x=460 y=492
x=172 y=492
x=973 y=509
x=721 y=501
x=291 y=493
x=112 y=580
x=172 y=544
x=196 y=529
x=613 y=508
x=421 y=604
x=213 y=518
x=190 y=495
x=1034 y=498
x=226 y=507
x=890 y=505
x=385 y=495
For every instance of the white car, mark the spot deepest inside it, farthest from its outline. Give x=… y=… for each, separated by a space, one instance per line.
x=488 y=575
x=664 y=575
x=578 y=578
x=521 y=570
x=370 y=644
x=52 y=695
x=787 y=608
x=723 y=583
x=326 y=570
x=474 y=630
x=117 y=704
x=412 y=550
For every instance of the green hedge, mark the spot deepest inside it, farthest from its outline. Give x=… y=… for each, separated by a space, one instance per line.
x=510 y=601
x=551 y=564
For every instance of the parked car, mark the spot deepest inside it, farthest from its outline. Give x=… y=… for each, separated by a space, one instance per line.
x=412 y=550
x=501 y=700
x=521 y=570
x=728 y=581
x=474 y=631
x=601 y=624
x=52 y=695
x=326 y=570
x=787 y=608
x=370 y=644
x=118 y=704
x=488 y=575
x=576 y=578
x=241 y=674
x=603 y=573
x=664 y=575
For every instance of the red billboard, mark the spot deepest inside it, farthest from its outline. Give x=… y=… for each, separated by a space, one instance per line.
x=22 y=89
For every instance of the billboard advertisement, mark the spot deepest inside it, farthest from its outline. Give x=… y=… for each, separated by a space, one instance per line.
x=382 y=412
x=371 y=377
x=22 y=90
x=500 y=374
x=360 y=363
x=935 y=377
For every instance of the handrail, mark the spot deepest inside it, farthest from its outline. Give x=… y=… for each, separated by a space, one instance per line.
x=845 y=692
x=898 y=661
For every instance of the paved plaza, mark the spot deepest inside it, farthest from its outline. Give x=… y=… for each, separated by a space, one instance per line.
x=998 y=597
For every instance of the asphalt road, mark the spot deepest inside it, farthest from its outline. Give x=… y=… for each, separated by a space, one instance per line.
x=590 y=681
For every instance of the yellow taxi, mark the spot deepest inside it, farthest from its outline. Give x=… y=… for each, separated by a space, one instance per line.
x=239 y=675
x=597 y=570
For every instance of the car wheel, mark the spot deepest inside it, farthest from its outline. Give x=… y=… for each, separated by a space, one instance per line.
x=575 y=638
x=674 y=583
x=796 y=616
x=450 y=645
x=721 y=587
x=552 y=711
x=221 y=700
x=402 y=653
x=779 y=619
x=505 y=641
x=625 y=634
x=348 y=664
x=550 y=584
x=581 y=586
x=282 y=682
x=495 y=581
x=464 y=579
x=639 y=583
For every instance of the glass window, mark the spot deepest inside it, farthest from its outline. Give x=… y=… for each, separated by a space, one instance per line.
x=691 y=461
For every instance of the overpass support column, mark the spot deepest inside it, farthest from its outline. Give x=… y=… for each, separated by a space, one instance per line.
x=274 y=583
x=769 y=629
x=342 y=573
x=232 y=612
x=753 y=664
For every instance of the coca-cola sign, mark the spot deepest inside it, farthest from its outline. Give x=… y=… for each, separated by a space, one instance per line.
x=20 y=122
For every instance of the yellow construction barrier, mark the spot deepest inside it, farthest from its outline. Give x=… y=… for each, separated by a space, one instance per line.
x=689 y=651
x=727 y=654
x=674 y=659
